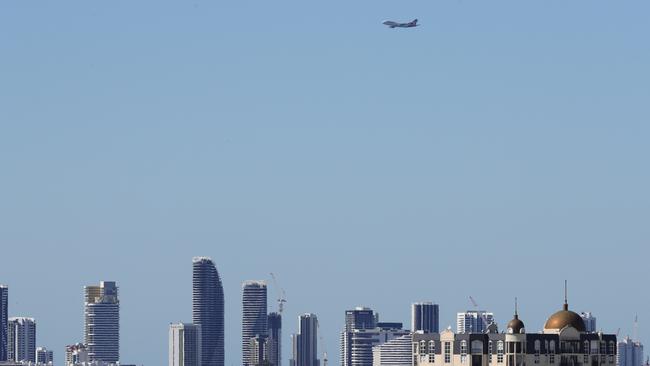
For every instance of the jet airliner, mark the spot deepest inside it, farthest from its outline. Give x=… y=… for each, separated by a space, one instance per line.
x=393 y=24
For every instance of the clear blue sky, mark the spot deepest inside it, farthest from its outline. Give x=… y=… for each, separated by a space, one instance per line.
x=494 y=151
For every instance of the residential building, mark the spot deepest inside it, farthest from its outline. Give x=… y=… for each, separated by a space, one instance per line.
x=185 y=344
x=102 y=322
x=258 y=350
x=21 y=333
x=274 y=325
x=362 y=332
x=630 y=352
x=254 y=317
x=44 y=356
x=208 y=310
x=305 y=342
x=425 y=317
x=564 y=341
x=76 y=354
x=473 y=321
x=395 y=352
x=590 y=321
x=4 y=303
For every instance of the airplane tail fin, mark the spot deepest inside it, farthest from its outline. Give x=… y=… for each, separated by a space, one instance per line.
x=415 y=21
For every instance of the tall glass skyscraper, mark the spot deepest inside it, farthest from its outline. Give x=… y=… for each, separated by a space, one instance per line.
x=208 y=310
x=424 y=317
x=4 y=297
x=254 y=318
x=102 y=322
x=305 y=343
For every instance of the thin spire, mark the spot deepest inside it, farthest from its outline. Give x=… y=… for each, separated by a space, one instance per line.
x=566 y=303
x=516 y=312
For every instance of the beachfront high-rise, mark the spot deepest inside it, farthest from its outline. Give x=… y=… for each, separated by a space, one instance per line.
x=254 y=317
x=425 y=317
x=21 y=333
x=208 y=310
x=305 y=343
x=184 y=344
x=4 y=302
x=102 y=322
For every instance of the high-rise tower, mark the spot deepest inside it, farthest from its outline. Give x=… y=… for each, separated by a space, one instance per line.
x=305 y=343
x=184 y=344
x=424 y=317
x=208 y=310
x=21 y=333
x=275 y=338
x=254 y=317
x=102 y=322
x=4 y=297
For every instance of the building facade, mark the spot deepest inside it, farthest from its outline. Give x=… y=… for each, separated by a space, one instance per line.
x=208 y=310
x=630 y=352
x=305 y=342
x=76 y=354
x=4 y=303
x=44 y=356
x=473 y=321
x=102 y=322
x=362 y=332
x=258 y=350
x=396 y=352
x=21 y=333
x=425 y=317
x=254 y=317
x=590 y=321
x=185 y=344
x=274 y=325
x=563 y=342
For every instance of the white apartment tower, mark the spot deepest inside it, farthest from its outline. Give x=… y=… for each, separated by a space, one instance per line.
x=473 y=321
x=102 y=322
x=184 y=344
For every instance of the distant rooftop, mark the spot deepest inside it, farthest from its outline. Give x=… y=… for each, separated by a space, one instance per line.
x=254 y=283
x=201 y=259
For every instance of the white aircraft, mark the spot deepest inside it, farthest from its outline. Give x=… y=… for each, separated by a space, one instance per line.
x=393 y=24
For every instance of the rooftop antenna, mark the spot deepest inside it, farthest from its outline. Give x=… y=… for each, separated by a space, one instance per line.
x=566 y=303
x=516 y=313
x=636 y=327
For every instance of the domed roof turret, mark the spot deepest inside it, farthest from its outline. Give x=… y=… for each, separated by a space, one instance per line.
x=516 y=326
x=565 y=318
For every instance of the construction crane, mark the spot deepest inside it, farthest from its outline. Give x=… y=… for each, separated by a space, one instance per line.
x=480 y=313
x=281 y=298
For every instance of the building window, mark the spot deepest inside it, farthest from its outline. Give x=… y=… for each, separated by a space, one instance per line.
x=447 y=352
x=490 y=352
x=551 y=356
x=612 y=348
x=603 y=348
x=500 y=351
x=536 y=358
x=586 y=347
x=423 y=347
x=432 y=347
x=432 y=357
x=463 y=351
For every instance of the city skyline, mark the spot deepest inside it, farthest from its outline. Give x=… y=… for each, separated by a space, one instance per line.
x=363 y=318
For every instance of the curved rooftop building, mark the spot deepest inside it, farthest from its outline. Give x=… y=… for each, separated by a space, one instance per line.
x=208 y=310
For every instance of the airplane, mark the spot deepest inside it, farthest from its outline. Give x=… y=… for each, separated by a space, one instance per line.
x=393 y=24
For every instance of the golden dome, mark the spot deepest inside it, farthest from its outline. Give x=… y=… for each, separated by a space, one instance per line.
x=564 y=318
